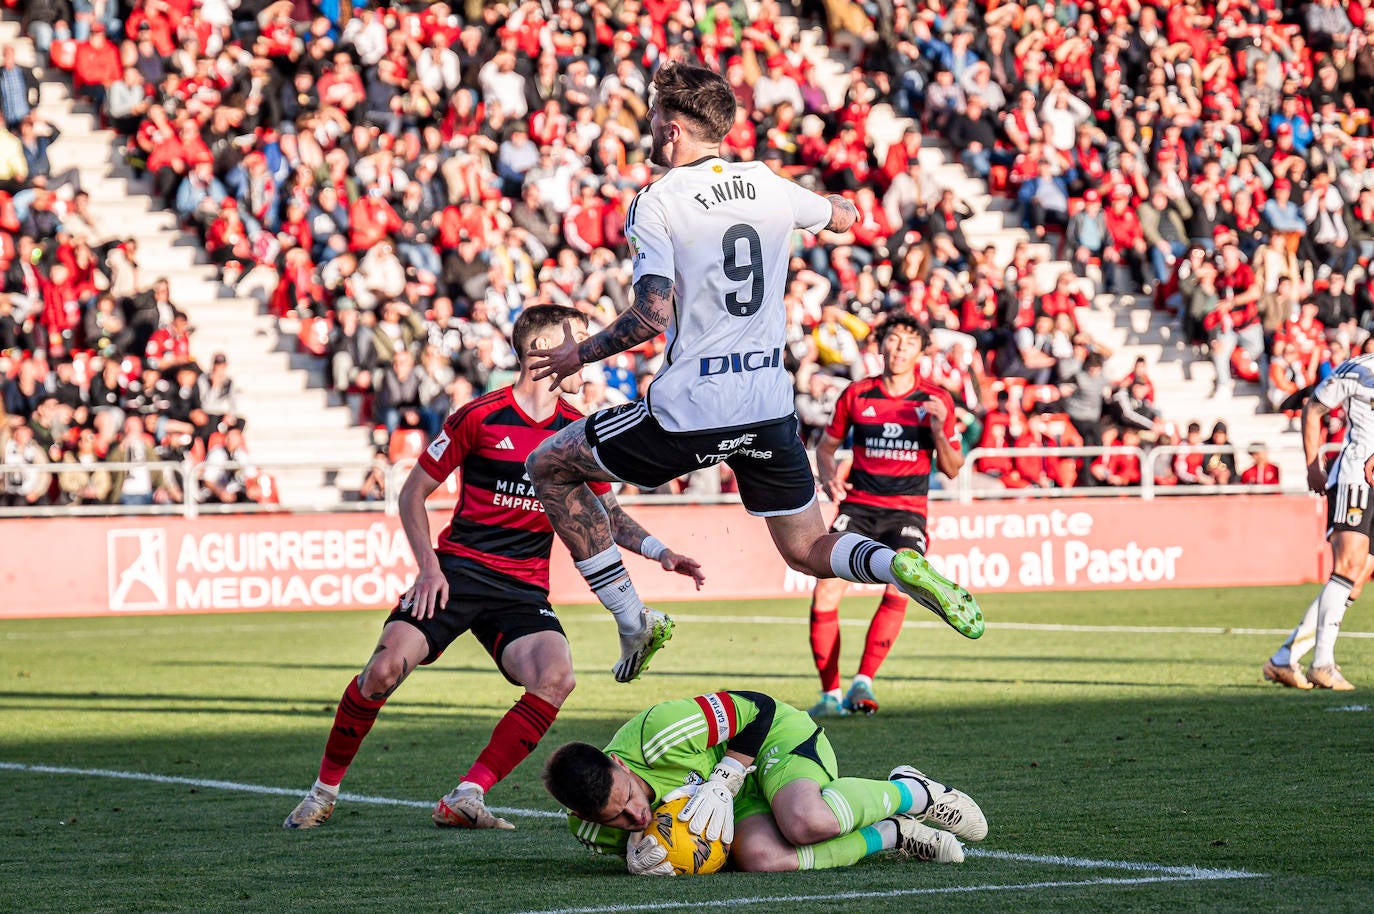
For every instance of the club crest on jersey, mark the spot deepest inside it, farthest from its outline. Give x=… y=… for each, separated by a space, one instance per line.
x=1353 y=517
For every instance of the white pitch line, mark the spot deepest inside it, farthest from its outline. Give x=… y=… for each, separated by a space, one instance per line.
x=153 y=631
x=1188 y=872
x=1177 y=872
x=1350 y=708
x=663 y=904
x=1017 y=626
x=253 y=788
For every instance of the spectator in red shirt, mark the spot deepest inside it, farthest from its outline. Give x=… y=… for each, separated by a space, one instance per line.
x=61 y=309
x=901 y=156
x=584 y=222
x=845 y=164
x=370 y=219
x=1261 y=472
x=170 y=345
x=1124 y=257
x=872 y=230
x=1124 y=469
x=97 y=67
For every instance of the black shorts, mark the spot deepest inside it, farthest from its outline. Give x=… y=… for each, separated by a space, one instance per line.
x=495 y=617
x=769 y=460
x=1348 y=509
x=894 y=529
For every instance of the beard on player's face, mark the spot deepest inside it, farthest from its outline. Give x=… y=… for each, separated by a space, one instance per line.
x=658 y=133
x=657 y=154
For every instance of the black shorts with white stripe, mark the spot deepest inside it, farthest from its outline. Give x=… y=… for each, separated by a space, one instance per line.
x=1347 y=509
x=769 y=460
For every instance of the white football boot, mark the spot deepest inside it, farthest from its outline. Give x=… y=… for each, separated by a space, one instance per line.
x=950 y=809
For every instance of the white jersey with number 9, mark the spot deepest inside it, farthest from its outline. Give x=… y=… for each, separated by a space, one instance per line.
x=722 y=232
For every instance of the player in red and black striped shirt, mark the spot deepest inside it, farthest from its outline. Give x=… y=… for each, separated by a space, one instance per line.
x=489 y=574
x=903 y=429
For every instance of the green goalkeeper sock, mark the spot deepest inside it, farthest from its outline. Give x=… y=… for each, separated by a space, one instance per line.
x=857 y=802
x=847 y=849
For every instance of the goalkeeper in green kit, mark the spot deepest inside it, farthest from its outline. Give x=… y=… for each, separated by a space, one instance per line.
x=761 y=776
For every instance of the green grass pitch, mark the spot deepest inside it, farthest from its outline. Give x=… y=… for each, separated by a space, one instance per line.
x=1125 y=751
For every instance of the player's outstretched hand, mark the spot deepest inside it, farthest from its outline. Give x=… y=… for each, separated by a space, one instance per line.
x=1316 y=476
x=556 y=363
x=682 y=564
x=646 y=857
x=427 y=595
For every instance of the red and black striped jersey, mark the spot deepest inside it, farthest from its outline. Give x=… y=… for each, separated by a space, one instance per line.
x=499 y=532
x=894 y=444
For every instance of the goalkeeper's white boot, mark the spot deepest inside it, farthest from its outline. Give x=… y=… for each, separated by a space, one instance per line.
x=465 y=807
x=638 y=648
x=925 y=843
x=950 y=809
x=315 y=809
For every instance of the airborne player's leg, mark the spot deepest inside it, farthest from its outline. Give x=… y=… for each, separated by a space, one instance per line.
x=559 y=469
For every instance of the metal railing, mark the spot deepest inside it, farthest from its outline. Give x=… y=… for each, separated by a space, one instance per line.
x=339 y=480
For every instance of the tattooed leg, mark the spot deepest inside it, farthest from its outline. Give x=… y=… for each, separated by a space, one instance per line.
x=399 y=651
x=560 y=469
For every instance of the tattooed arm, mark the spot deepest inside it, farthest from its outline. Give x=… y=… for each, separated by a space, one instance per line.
x=630 y=535
x=645 y=319
x=843 y=214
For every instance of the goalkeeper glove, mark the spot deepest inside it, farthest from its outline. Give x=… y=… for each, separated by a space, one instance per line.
x=711 y=810
x=644 y=856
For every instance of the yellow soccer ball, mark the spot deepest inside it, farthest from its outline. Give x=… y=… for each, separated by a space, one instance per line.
x=688 y=854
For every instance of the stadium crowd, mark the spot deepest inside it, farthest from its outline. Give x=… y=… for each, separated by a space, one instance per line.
x=97 y=373
x=403 y=180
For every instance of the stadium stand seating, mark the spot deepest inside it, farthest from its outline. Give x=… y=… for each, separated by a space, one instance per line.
x=853 y=105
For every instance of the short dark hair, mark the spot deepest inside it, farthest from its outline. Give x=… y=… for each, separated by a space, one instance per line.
x=1093 y=360
x=700 y=95
x=903 y=320
x=579 y=777
x=533 y=320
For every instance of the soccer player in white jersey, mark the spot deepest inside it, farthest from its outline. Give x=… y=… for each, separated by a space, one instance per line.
x=711 y=241
x=1349 y=518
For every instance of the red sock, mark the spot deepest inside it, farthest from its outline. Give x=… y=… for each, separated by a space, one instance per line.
x=883 y=632
x=512 y=740
x=355 y=717
x=825 y=646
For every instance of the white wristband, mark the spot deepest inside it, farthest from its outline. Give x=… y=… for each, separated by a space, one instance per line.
x=652 y=548
x=733 y=764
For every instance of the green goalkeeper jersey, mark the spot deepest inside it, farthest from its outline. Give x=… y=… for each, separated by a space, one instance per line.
x=678 y=742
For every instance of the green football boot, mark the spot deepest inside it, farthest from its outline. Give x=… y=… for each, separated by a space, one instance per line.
x=937 y=593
